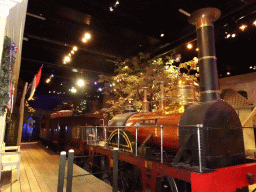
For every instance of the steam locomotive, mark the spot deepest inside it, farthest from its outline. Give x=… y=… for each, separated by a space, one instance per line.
x=201 y=149
x=191 y=146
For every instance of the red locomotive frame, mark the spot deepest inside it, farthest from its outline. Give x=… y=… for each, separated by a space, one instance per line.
x=227 y=179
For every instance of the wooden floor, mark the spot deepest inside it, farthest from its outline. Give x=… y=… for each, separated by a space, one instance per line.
x=39 y=173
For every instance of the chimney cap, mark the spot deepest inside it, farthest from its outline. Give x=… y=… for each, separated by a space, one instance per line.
x=204 y=16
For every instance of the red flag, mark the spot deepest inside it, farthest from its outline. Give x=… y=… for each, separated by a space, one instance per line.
x=35 y=83
x=38 y=76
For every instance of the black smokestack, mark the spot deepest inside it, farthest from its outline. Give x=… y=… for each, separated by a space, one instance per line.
x=203 y=20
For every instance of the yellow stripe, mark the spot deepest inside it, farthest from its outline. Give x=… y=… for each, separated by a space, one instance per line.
x=207 y=57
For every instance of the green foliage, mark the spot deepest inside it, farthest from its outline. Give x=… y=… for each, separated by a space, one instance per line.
x=135 y=73
x=5 y=76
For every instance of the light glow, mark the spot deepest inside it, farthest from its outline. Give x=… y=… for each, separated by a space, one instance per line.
x=80 y=83
x=243 y=27
x=189 y=46
x=73 y=90
x=75 y=48
x=67 y=59
x=87 y=36
x=48 y=80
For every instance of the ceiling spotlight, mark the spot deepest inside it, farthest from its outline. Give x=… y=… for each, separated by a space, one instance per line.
x=67 y=59
x=250 y=67
x=189 y=46
x=75 y=48
x=84 y=40
x=87 y=36
x=197 y=49
x=228 y=35
x=80 y=82
x=228 y=73
x=162 y=35
x=100 y=89
x=111 y=9
x=243 y=27
x=48 y=80
x=73 y=90
x=233 y=35
x=254 y=23
x=117 y=2
x=72 y=52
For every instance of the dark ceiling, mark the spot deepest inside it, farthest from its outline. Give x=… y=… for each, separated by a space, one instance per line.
x=52 y=28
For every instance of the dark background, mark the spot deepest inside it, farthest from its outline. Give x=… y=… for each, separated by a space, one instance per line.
x=52 y=28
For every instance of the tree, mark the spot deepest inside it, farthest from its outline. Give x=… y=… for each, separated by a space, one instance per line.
x=137 y=72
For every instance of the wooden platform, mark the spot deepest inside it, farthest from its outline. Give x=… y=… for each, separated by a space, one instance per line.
x=39 y=173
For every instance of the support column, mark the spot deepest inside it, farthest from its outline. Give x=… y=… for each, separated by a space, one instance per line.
x=5 y=6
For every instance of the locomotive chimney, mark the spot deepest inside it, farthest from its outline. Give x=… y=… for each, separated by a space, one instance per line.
x=145 y=106
x=203 y=20
x=210 y=133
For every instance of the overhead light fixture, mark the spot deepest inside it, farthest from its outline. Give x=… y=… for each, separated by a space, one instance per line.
x=117 y=2
x=254 y=23
x=189 y=46
x=84 y=40
x=162 y=35
x=48 y=80
x=73 y=90
x=233 y=35
x=111 y=9
x=67 y=59
x=228 y=73
x=75 y=48
x=80 y=83
x=87 y=36
x=243 y=27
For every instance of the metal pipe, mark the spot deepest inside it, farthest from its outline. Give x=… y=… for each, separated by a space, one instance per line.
x=96 y=135
x=203 y=20
x=105 y=136
x=145 y=104
x=70 y=170
x=199 y=149
x=118 y=137
x=115 y=170
x=162 y=145
x=136 y=141
x=87 y=135
x=61 y=171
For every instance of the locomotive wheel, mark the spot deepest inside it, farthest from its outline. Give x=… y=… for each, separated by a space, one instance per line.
x=98 y=166
x=126 y=140
x=128 y=177
x=168 y=184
